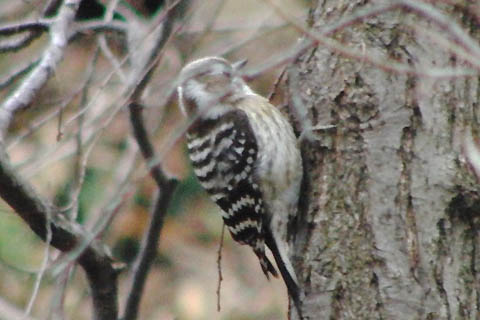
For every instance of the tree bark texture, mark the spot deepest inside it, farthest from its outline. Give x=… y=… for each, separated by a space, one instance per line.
x=390 y=213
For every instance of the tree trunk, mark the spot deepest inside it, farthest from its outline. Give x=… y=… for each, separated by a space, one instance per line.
x=388 y=227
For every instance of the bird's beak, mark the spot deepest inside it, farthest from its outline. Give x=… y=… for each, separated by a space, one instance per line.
x=239 y=64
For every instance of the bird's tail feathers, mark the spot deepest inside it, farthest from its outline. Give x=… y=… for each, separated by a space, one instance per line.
x=286 y=270
x=267 y=266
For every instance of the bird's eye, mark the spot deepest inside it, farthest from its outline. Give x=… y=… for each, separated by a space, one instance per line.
x=214 y=78
x=227 y=74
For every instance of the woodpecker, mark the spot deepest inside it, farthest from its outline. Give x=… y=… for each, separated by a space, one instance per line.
x=246 y=156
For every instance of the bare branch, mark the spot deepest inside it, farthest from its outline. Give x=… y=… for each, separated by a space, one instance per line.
x=150 y=241
x=20 y=71
x=25 y=32
x=50 y=7
x=25 y=93
x=65 y=235
x=99 y=26
x=148 y=251
x=166 y=186
x=38 y=26
x=19 y=42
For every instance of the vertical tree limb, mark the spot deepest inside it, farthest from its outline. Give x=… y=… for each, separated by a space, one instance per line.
x=143 y=63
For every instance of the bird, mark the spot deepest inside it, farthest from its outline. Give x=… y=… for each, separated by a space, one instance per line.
x=246 y=156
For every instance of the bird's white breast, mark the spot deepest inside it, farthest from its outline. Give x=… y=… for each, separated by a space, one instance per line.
x=279 y=165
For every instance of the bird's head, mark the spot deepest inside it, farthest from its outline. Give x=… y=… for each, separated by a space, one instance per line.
x=211 y=82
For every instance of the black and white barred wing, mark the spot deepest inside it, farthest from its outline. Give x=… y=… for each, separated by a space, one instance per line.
x=223 y=154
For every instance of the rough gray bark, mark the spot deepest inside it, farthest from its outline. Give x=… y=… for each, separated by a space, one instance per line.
x=390 y=225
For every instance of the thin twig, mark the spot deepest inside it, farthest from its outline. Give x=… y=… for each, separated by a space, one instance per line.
x=58 y=299
x=82 y=156
x=273 y=92
x=10 y=312
x=219 y=266
x=368 y=56
x=102 y=41
x=44 y=265
x=445 y=22
x=34 y=126
x=439 y=39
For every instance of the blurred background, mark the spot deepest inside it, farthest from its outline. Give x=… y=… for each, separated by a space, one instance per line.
x=109 y=175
